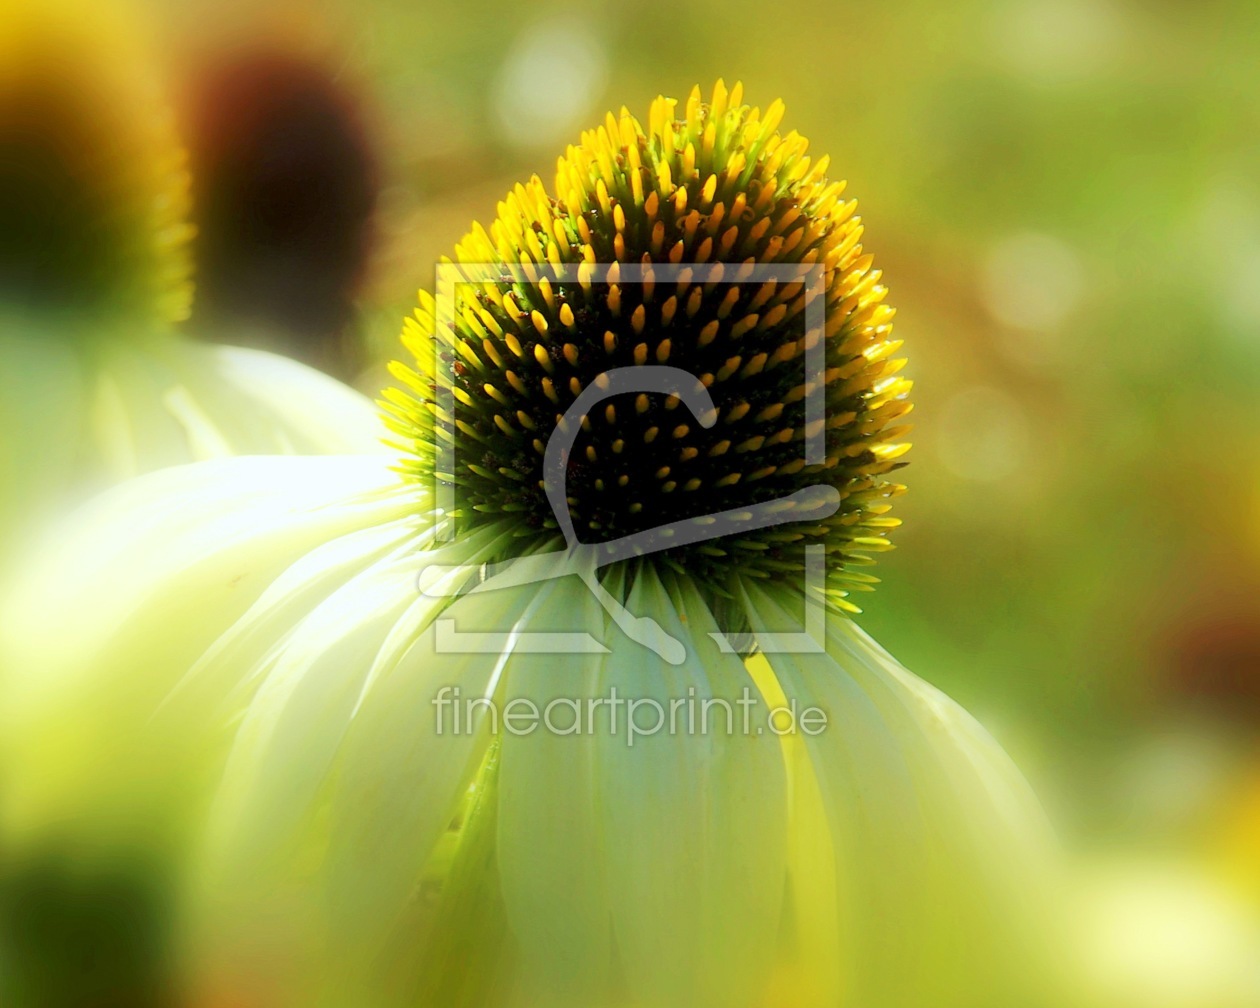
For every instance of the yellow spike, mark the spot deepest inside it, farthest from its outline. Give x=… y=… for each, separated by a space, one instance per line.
x=668 y=309
x=693 y=106
x=773 y=317
x=754 y=366
x=657 y=115
x=543 y=358
x=743 y=326
x=636 y=175
x=717 y=107
x=566 y=316
x=664 y=178
x=729 y=368
x=586 y=269
x=708 y=334
x=492 y=352
x=637 y=320
x=708 y=139
x=662 y=351
x=641 y=354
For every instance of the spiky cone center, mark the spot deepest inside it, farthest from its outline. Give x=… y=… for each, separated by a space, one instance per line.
x=93 y=185
x=643 y=254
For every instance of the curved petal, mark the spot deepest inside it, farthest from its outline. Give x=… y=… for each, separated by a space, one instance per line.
x=694 y=816
x=102 y=623
x=342 y=782
x=170 y=400
x=935 y=834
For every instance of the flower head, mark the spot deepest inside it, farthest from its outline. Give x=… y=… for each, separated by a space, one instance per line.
x=93 y=191
x=647 y=252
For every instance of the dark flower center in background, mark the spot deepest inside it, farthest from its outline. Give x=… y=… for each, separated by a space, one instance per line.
x=285 y=183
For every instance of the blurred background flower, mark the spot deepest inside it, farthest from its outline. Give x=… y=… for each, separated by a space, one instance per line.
x=96 y=275
x=284 y=185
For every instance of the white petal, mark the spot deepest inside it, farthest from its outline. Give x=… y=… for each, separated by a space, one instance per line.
x=339 y=786
x=930 y=826
x=694 y=820
x=116 y=606
x=171 y=400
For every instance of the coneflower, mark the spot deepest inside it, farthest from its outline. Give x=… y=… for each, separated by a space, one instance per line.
x=95 y=273
x=571 y=712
